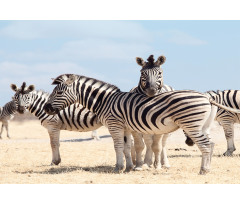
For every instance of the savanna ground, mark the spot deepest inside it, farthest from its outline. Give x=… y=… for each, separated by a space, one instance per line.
x=25 y=158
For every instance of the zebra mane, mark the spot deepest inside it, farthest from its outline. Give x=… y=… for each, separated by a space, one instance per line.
x=22 y=89
x=62 y=78
x=42 y=92
x=150 y=60
x=151 y=63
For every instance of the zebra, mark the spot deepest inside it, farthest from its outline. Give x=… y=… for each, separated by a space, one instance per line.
x=230 y=98
x=73 y=118
x=132 y=112
x=7 y=113
x=152 y=78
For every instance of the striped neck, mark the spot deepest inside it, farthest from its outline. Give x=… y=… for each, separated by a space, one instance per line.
x=12 y=107
x=37 y=102
x=92 y=93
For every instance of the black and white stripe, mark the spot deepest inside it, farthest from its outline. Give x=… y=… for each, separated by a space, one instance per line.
x=7 y=113
x=151 y=78
x=120 y=111
x=149 y=139
x=229 y=98
x=72 y=118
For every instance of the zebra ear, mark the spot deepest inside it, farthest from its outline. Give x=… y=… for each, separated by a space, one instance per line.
x=71 y=79
x=14 y=87
x=161 y=60
x=140 y=61
x=31 y=88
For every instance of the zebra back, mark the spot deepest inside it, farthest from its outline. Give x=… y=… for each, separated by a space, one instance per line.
x=229 y=98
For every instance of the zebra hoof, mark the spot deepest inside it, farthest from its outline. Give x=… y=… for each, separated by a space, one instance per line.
x=118 y=170
x=138 y=168
x=128 y=169
x=166 y=166
x=228 y=154
x=145 y=167
x=204 y=171
x=55 y=162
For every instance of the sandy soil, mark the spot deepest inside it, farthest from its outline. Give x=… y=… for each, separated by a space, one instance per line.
x=25 y=158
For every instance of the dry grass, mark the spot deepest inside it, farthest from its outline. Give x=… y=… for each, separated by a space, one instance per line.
x=26 y=158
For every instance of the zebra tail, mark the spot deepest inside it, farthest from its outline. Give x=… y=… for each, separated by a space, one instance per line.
x=224 y=107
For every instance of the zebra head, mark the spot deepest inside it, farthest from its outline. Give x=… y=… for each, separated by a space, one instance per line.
x=22 y=96
x=62 y=95
x=151 y=80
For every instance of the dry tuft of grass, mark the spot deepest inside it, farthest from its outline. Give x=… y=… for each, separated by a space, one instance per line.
x=26 y=158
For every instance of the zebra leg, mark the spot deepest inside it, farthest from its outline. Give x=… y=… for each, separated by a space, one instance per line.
x=127 y=151
x=117 y=134
x=164 y=158
x=95 y=135
x=157 y=149
x=133 y=152
x=139 y=146
x=55 y=144
x=206 y=147
x=1 y=131
x=229 y=134
x=6 y=127
x=148 y=139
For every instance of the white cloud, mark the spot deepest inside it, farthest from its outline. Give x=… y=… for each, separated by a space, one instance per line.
x=181 y=38
x=29 y=30
x=85 y=49
x=38 y=74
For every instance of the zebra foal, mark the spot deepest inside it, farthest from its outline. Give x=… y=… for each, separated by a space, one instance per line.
x=124 y=111
x=7 y=113
x=73 y=118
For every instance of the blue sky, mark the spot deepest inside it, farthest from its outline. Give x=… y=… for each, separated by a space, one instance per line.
x=201 y=55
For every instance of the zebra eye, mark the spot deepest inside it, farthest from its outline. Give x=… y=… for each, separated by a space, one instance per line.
x=143 y=83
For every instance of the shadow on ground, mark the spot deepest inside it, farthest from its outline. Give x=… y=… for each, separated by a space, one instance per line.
x=189 y=155
x=87 y=139
x=69 y=169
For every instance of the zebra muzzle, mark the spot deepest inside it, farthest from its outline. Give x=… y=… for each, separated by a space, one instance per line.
x=21 y=109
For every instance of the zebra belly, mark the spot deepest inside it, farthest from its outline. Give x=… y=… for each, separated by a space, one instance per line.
x=77 y=128
x=79 y=119
x=167 y=127
x=227 y=116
